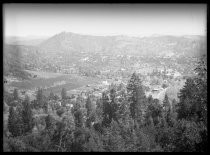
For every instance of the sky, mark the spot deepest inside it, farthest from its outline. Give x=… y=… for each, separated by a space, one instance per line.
x=104 y=19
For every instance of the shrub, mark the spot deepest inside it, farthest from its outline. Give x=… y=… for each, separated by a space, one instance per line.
x=60 y=111
x=16 y=145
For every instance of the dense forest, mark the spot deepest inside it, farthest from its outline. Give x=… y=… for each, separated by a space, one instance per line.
x=130 y=122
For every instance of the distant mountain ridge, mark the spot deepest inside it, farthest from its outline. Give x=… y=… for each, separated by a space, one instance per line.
x=28 y=40
x=150 y=45
x=68 y=49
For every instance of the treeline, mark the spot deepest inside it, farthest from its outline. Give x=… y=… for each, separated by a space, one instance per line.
x=119 y=121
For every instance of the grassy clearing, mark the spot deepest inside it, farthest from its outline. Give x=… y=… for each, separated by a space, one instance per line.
x=54 y=82
x=45 y=75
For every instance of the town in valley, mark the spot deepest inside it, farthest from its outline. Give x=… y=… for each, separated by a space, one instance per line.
x=76 y=92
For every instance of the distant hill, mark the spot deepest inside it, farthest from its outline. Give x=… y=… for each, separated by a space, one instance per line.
x=13 y=61
x=145 y=46
x=29 y=40
x=72 y=42
x=86 y=52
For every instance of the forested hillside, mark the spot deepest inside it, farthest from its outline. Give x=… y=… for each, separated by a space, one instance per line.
x=12 y=61
x=145 y=46
x=123 y=119
x=69 y=52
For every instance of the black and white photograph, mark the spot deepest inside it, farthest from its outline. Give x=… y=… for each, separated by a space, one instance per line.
x=111 y=77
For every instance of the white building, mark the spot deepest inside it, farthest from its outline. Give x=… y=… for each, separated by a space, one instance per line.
x=105 y=83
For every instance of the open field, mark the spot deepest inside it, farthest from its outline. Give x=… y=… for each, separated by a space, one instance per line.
x=53 y=82
x=47 y=75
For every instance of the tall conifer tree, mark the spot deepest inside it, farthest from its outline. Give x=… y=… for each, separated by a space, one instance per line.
x=27 y=115
x=136 y=97
x=12 y=121
x=63 y=94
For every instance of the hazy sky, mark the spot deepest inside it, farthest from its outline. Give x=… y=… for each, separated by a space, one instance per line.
x=104 y=19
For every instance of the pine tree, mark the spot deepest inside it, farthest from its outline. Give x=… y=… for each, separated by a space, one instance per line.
x=106 y=111
x=141 y=104
x=201 y=69
x=155 y=111
x=150 y=99
x=187 y=100
x=40 y=98
x=201 y=94
x=89 y=106
x=77 y=105
x=192 y=112
x=63 y=94
x=151 y=122
x=49 y=121
x=27 y=115
x=12 y=121
x=67 y=131
x=19 y=119
x=94 y=143
x=50 y=124
x=91 y=119
x=91 y=113
x=113 y=105
x=79 y=118
x=132 y=93
x=169 y=113
x=15 y=94
x=45 y=106
x=166 y=103
x=99 y=110
x=15 y=124
x=136 y=97
x=115 y=142
x=79 y=112
x=174 y=105
x=51 y=96
x=39 y=95
x=123 y=115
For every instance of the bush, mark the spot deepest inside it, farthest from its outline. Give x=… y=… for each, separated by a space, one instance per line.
x=16 y=145
x=164 y=85
x=60 y=111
